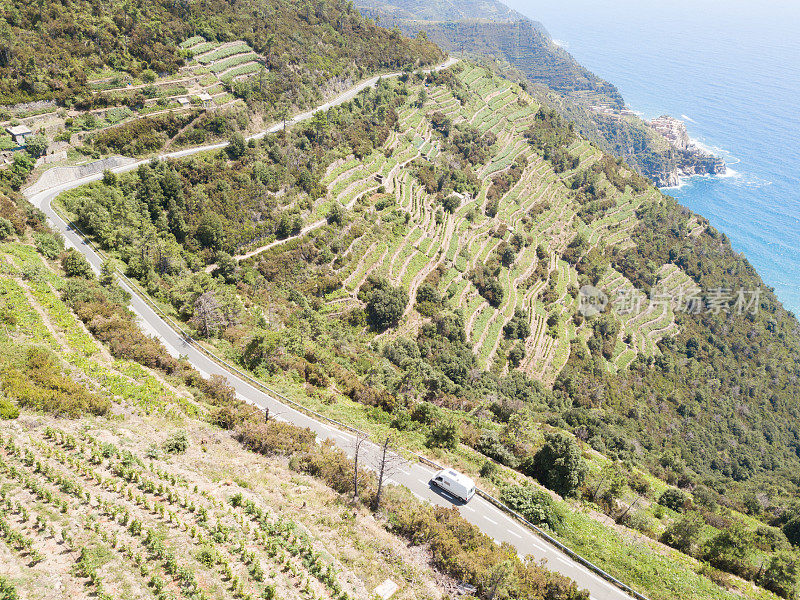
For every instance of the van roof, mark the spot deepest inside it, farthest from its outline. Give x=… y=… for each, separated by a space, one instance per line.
x=460 y=478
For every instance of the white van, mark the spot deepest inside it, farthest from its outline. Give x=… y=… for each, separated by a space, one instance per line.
x=455 y=483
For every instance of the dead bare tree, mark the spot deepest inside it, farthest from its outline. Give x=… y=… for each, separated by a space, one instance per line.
x=208 y=314
x=621 y=518
x=358 y=442
x=388 y=463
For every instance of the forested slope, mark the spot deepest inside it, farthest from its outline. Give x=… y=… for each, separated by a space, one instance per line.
x=50 y=50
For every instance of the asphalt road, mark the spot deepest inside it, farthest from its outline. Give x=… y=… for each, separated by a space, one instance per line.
x=413 y=475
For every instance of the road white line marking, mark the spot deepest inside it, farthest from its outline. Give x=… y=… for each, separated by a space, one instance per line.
x=469 y=508
x=422 y=481
x=493 y=522
x=514 y=533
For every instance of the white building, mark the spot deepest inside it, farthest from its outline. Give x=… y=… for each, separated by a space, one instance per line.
x=205 y=98
x=20 y=133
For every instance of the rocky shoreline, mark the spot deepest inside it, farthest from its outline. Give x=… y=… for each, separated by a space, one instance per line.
x=689 y=158
x=660 y=149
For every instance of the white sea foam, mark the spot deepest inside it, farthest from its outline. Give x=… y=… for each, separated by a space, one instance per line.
x=682 y=182
x=728 y=173
x=703 y=146
x=561 y=43
x=688 y=118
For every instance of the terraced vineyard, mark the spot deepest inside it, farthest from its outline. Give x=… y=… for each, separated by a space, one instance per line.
x=153 y=502
x=211 y=67
x=226 y=61
x=540 y=207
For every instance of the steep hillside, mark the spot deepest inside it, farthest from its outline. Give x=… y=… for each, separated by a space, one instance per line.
x=411 y=262
x=443 y=190
x=122 y=481
x=478 y=10
x=522 y=50
x=479 y=29
x=54 y=51
x=126 y=489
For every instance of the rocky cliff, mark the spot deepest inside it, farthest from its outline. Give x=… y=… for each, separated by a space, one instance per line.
x=690 y=158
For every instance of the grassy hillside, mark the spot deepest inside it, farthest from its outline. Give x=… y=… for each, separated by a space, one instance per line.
x=122 y=481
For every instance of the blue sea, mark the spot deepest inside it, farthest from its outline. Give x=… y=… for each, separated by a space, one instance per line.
x=731 y=71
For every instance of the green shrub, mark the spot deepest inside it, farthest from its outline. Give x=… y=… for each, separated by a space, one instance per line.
x=640 y=521
x=8 y=410
x=781 y=575
x=489 y=444
x=177 y=443
x=425 y=412
x=770 y=539
x=49 y=245
x=207 y=556
x=75 y=264
x=331 y=464
x=385 y=305
x=428 y=300
x=488 y=469
x=236 y=145
x=451 y=203
x=444 y=435
x=7 y=591
x=792 y=530
x=559 y=464
x=36 y=145
x=233 y=416
x=675 y=499
x=401 y=420
x=516 y=354
x=534 y=504
x=275 y=437
x=684 y=533
x=730 y=551
x=6 y=228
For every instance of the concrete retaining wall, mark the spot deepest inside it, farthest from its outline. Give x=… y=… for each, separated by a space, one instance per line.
x=60 y=175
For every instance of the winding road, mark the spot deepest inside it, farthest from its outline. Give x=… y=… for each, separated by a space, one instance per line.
x=413 y=475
